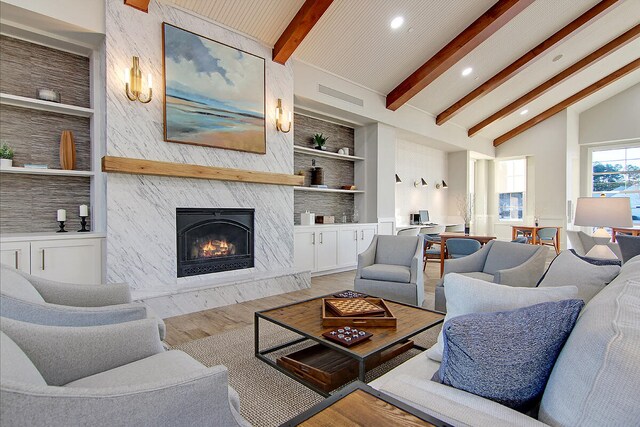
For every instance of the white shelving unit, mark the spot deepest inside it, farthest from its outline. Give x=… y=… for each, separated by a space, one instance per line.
x=37 y=104
x=34 y=171
x=327 y=190
x=328 y=154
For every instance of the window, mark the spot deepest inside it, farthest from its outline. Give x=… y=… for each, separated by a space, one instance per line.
x=511 y=185
x=616 y=173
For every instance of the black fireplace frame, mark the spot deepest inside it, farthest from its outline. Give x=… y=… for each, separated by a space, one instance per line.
x=190 y=218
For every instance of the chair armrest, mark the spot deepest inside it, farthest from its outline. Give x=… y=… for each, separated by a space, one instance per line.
x=416 y=262
x=80 y=295
x=63 y=315
x=526 y=274
x=83 y=351
x=368 y=257
x=454 y=406
x=200 y=398
x=468 y=264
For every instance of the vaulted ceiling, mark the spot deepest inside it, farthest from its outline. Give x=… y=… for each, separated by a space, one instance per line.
x=353 y=40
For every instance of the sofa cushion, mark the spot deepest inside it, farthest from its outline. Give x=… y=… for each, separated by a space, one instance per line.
x=596 y=379
x=500 y=355
x=16 y=286
x=396 y=250
x=629 y=246
x=466 y=295
x=15 y=365
x=387 y=273
x=158 y=367
x=504 y=255
x=590 y=275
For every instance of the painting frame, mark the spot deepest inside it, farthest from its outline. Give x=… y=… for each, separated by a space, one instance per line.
x=252 y=145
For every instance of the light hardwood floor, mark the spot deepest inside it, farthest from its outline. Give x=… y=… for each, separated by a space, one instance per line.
x=193 y=326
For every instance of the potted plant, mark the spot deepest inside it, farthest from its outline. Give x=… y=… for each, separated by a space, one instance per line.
x=319 y=139
x=6 y=155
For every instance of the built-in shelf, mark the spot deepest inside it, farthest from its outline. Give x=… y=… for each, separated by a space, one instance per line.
x=327 y=190
x=329 y=154
x=37 y=104
x=61 y=172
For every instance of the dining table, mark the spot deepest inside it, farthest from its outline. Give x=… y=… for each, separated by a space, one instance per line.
x=532 y=231
x=443 y=244
x=631 y=231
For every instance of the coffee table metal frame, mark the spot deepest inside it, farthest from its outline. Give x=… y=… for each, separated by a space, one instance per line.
x=361 y=359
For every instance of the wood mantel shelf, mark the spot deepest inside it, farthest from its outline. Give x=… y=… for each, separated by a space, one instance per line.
x=182 y=170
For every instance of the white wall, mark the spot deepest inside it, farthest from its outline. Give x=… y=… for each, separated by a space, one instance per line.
x=458 y=174
x=415 y=161
x=88 y=14
x=615 y=119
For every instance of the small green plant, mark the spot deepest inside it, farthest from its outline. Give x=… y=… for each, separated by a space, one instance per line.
x=6 y=152
x=319 y=139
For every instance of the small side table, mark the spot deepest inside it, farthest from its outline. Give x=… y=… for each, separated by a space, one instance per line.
x=361 y=405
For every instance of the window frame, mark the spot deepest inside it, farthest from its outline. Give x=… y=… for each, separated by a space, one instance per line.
x=524 y=192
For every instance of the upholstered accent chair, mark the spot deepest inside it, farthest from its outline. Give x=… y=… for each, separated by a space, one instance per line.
x=106 y=376
x=505 y=263
x=391 y=268
x=461 y=247
x=582 y=243
x=33 y=299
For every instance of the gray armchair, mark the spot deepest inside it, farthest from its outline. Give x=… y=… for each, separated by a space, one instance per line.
x=105 y=376
x=33 y=299
x=391 y=268
x=582 y=243
x=506 y=263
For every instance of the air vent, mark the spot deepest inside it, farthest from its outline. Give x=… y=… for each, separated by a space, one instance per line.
x=340 y=95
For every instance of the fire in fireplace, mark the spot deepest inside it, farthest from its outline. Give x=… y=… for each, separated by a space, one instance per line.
x=214 y=240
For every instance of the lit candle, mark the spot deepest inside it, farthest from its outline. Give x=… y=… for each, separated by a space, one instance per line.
x=84 y=210
x=127 y=76
x=149 y=80
x=62 y=215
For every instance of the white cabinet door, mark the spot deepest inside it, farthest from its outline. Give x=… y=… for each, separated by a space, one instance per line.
x=304 y=250
x=16 y=255
x=69 y=260
x=327 y=249
x=348 y=246
x=365 y=236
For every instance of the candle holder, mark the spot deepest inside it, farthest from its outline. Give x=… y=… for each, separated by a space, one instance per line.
x=62 y=230
x=83 y=223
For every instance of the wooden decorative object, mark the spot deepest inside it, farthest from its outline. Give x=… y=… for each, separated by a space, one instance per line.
x=142 y=5
x=67 y=151
x=347 y=336
x=182 y=170
x=353 y=307
x=350 y=294
x=329 y=319
x=325 y=219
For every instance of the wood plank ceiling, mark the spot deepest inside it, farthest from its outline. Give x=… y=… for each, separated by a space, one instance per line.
x=353 y=40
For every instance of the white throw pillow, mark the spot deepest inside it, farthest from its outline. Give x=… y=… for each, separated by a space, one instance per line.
x=466 y=295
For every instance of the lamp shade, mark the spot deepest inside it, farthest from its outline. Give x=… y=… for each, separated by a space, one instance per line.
x=603 y=212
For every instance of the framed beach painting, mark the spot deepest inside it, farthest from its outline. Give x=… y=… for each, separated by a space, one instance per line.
x=214 y=93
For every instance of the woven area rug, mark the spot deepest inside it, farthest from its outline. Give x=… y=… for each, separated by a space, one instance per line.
x=267 y=396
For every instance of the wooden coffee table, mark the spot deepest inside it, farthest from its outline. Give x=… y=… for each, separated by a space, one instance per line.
x=305 y=319
x=361 y=405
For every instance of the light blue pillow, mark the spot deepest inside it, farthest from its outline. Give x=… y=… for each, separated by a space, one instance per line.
x=506 y=356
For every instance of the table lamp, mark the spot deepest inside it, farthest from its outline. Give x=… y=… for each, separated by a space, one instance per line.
x=603 y=212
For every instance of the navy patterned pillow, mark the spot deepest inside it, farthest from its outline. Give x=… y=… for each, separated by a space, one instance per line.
x=506 y=356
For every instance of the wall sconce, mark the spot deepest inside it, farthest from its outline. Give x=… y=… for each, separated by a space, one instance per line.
x=280 y=118
x=398 y=180
x=420 y=182
x=443 y=185
x=133 y=83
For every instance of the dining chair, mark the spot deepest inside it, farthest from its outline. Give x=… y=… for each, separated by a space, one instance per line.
x=521 y=239
x=414 y=231
x=460 y=247
x=547 y=237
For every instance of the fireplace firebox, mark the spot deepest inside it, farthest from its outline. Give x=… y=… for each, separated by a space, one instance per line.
x=214 y=240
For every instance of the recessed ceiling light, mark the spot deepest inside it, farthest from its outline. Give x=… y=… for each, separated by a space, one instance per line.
x=557 y=58
x=523 y=112
x=397 y=22
x=467 y=71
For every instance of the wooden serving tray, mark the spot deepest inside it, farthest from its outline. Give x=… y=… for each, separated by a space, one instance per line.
x=353 y=307
x=387 y=320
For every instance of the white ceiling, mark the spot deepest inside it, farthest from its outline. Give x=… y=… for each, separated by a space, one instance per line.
x=353 y=40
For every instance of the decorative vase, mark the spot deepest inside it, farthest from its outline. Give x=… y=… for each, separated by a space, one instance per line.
x=6 y=163
x=67 y=151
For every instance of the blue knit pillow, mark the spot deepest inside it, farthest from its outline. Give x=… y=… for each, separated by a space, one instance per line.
x=506 y=356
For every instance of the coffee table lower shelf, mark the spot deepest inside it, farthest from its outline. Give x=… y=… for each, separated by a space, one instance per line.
x=328 y=369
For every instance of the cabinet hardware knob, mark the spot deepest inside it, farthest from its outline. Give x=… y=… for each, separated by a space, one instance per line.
x=16 y=253
x=43 y=260
x=313 y=238
x=320 y=237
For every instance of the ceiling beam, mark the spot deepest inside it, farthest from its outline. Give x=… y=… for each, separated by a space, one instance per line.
x=480 y=30
x=605 y=50
x=142 y=5
x=525 y=60
x=298 y=28
x=621 y=72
